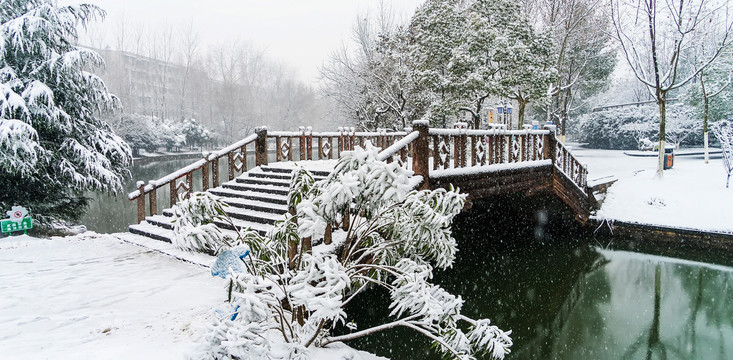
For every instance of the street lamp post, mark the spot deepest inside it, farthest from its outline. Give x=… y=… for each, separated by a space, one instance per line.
x=504 y=111
x=509 y=109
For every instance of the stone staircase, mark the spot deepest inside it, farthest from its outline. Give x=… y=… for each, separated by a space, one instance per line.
x=256 y=200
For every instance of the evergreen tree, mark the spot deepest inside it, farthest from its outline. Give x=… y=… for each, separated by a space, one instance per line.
x=464 y=53
x=53 y=144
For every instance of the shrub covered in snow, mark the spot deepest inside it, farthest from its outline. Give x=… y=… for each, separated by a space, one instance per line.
x=53 y=144
x=724 y=132
x=194 y=227
x=292 y=296
x=152 y=133
x=624 y=128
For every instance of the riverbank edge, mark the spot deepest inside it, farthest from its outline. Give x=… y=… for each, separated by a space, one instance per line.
x=693 y=238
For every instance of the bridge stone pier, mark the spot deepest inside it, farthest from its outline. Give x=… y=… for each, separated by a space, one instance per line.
x=482 y=163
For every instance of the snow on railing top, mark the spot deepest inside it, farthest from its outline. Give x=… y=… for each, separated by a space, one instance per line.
x=334 y=133
x=168 y=178
x=217 y=154
x=475 y=170
x=397 y=146
x=473 y=132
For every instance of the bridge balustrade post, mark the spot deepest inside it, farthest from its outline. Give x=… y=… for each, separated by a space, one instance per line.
x=215 y=172
x=301 y=142
x=548 y=148
x=340 y=141
x=309 y=142
x=152 y=198
x=189 y=185
x=205 y=173
x=260 y=147
x=173 y=192
x=141 y=201
x=421 y=152
x=230 y=162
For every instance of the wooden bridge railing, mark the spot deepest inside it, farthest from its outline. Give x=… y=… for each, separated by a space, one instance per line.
x=421 y=150
x=462 y=148
x=261 y=145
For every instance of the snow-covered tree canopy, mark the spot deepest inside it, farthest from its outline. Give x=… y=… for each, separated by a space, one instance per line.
x=448 y=61
x=53 y=144
x=466 y=52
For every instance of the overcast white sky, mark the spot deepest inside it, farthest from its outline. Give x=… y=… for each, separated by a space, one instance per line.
x=300 y=33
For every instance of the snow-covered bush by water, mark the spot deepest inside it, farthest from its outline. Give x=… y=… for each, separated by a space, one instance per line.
x=53 y=144
x=292 y=296
x=623 y=128
x=152 y=133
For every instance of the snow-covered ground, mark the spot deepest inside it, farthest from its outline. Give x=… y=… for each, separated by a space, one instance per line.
x=93 y=296
x=691 y=195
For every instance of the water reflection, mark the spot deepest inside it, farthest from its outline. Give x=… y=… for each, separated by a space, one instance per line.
x=659 y=308
x=573 y=301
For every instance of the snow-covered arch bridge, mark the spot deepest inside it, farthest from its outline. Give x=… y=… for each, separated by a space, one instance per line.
x=481 y=163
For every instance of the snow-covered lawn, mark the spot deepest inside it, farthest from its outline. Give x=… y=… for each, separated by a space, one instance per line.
x=690 y=195
x=94 y=296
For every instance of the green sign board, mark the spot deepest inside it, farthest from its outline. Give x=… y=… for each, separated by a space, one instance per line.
x=8 y=226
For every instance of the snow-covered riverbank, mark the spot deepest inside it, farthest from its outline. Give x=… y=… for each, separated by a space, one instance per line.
x=691 y=195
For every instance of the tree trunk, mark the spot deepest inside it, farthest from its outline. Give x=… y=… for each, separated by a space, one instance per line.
x=522 y=106
x=662 y=101
x=706 y=102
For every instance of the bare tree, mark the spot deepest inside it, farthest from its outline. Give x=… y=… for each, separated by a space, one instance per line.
x=367 y=81
x=585 y=58
x=655 y=35
x=713 y=81
x=121 y=31
x=189 y=47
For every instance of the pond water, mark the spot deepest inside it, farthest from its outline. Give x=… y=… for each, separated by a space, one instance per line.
x=114 y=213
x=569 y=297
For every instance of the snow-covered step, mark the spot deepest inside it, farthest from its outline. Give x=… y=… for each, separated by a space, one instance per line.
x=164 y=221
x=243 y=225
x=250 y=195
x=267 y=189
x=281 y=175
x=255 y=205
x=270 y=169
x=253 y=215
x=152 y=231
x=263 y=181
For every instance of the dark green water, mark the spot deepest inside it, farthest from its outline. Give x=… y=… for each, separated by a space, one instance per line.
x=565 y=297
x=109 y=213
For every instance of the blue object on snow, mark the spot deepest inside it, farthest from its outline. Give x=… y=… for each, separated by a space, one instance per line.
x=229 y=259
x=222 y=312
x=236 y=312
